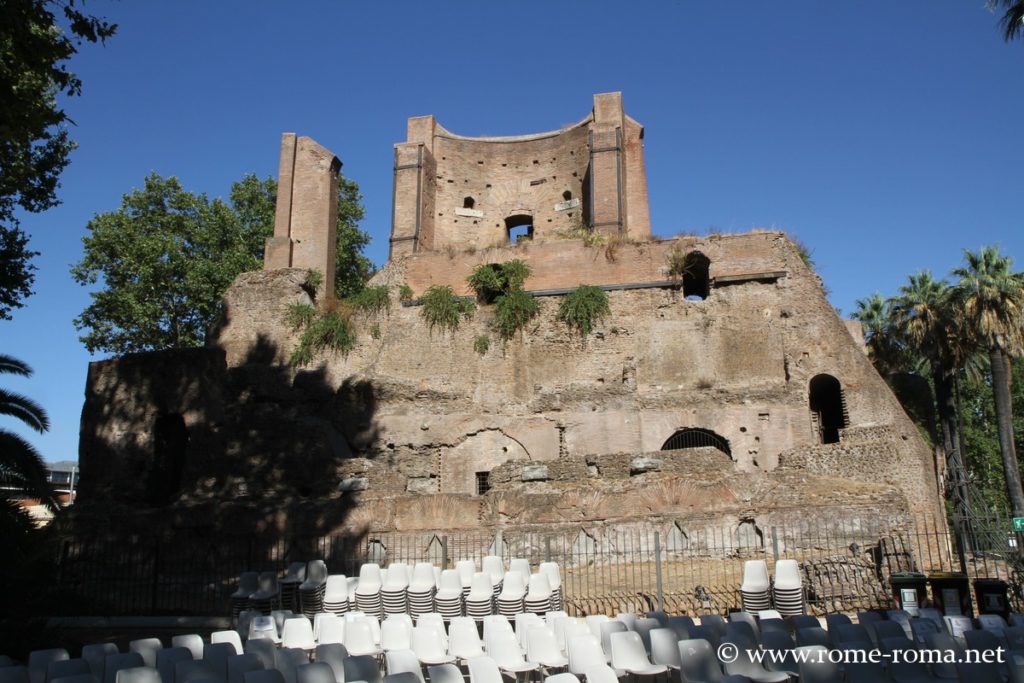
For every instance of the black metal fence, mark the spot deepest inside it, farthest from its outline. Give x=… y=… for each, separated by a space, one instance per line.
x=690 y=568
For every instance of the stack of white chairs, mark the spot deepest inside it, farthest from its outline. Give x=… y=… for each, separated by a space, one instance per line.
x=336 y=594
x=448 y=599
x=538 y=596
x=755 y=589
x=789 y=588
x=493 y=565
x=480 y=601
x=248 y=583
x=395 y=591
x=513 y=594
x=264 y=599
x=329 y=628
x=421 y=589
x=368 y=590
x=555 y=581
x=518 y=564
x=311 y=591
x=466 y=569
x=289 y=585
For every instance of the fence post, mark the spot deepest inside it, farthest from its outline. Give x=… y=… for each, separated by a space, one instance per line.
x=444 y=552
x=657 y=567
x=775 y=544
x=547 y=548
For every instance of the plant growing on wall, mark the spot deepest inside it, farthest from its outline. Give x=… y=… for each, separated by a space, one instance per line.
x=491 y=280
x=405 y=293
x=371 y=300
x=512 y=311
x=482 y=344
x=441 y=308
x=583 y=307
x=331 y=330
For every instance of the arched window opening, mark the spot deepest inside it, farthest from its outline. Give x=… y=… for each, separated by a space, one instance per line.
x=828 y=410
x=468 y=203
x=519 y=228
x=696 y=280
x=696 y=437
x=170 y=444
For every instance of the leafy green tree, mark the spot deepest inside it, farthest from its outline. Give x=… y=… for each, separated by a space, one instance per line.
x=254 y=199
x=22 y=471
x=166 y=257
x=34 y=140
x=991 y=297
x=888 y=354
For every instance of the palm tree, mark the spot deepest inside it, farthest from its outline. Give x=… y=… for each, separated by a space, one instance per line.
x=1012 y=20
x=887 y=353
x=923 y=315
x=991 y=297
x=22 y=471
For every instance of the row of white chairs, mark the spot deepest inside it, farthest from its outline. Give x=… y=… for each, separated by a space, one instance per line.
x=401 y=588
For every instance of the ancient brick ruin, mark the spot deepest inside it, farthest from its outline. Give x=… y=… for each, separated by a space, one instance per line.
x=733 y=395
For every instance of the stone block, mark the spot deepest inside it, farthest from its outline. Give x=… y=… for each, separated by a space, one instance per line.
x=644 y=464
x=534 y=473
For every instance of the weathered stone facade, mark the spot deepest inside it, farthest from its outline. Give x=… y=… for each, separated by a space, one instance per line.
x=751 y=400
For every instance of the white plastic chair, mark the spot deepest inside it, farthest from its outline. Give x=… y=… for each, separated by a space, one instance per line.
x=518 y=564
x=601 y=673
x=628 y=654
x=495 y=625
x=506 y=653
x=426 y=643
x=484 y=670
x=463 y=639
x=562 y=678
x=465 y=569
x=594 y=622
x=193 y=641
x=403 y=661
x=359 y=639
x=395 y=634
x=524 y=622
x=332 y=630
x=298 y=633
x=541 y=647
x=445 y=673
x=435 y=621
x=228 y=637
x=665 y=647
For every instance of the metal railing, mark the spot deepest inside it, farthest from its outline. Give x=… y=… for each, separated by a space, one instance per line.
x=846 y=565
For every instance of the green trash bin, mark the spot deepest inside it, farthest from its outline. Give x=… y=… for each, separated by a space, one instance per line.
x=951 y=593
x=993 y=597
x=910 y=590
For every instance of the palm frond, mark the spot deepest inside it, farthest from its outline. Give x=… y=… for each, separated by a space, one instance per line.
x=13 y=366
x=21 y=461
x=25 y=409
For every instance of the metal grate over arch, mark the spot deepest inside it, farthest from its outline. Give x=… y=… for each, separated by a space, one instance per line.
x=695 y=437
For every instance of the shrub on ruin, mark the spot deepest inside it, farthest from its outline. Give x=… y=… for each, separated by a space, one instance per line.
x=405 y=294
x=441 y=308
x=512 y=311
x=584 y=307
x=482 y=344
x=491 y=280
x=300 y=315
x=372 y=300
x=332 y=330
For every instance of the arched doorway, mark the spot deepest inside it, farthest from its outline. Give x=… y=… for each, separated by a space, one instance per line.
x=828 y=410
x=696 y=276
x=519 y=228
x=695 y=437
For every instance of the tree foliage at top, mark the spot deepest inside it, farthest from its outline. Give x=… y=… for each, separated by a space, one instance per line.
x=1012 y=21
x=964 y=335
x=34 y=140
x=166 y=257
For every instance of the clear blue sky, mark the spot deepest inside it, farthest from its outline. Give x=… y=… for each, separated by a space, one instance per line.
x=885 y=135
